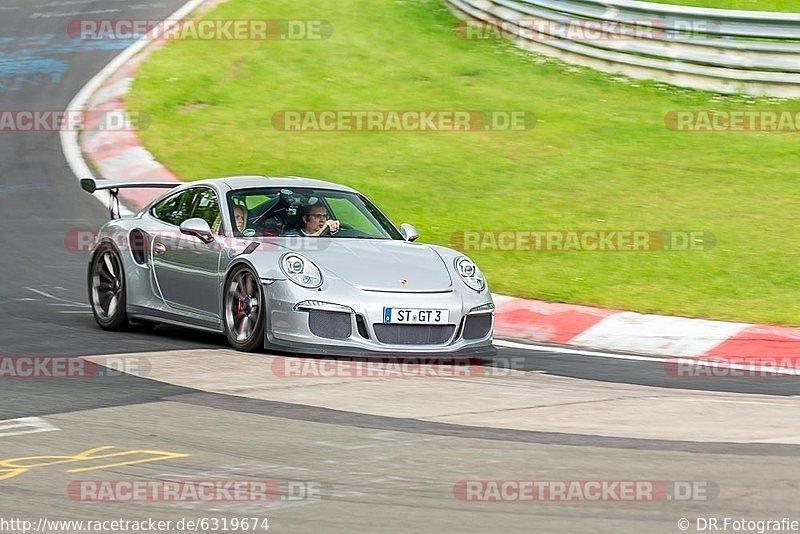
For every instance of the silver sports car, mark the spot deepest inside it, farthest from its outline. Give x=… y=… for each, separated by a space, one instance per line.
x=290 y=264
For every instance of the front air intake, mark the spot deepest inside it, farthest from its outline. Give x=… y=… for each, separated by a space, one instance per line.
x=332 y=325
x=477 y=326
x=413 y=334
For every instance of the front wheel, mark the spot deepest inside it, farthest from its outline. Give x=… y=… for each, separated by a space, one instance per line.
x=107 y=289
x=244 y=310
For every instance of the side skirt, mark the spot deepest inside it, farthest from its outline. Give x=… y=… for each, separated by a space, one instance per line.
x=159 y=316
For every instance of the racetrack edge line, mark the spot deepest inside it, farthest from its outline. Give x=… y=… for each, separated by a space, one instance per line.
x=69 y=138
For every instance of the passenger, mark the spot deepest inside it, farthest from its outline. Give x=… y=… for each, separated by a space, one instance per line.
x=240 y=216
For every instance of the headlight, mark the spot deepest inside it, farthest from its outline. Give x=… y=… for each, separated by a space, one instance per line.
x=301 y=271
x=470 y=273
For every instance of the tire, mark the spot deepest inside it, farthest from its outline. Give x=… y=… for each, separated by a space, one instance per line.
x=108 y=289
x=244 y=310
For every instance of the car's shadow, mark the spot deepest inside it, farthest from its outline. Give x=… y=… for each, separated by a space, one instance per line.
x=178 y=333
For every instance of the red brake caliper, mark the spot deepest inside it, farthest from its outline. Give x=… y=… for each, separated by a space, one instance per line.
x=239 y=306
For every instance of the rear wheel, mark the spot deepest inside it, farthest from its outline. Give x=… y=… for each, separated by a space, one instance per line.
x=107 y=289
x=244 y=310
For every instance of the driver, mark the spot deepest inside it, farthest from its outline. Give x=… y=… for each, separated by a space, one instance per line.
x=315 y=221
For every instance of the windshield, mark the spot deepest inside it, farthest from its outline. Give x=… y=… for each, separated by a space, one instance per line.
x=306 y=212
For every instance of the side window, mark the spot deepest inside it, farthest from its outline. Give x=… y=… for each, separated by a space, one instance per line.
x=207 y=208
x=176 y=209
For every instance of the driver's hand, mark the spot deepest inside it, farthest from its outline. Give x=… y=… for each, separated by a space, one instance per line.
x=333 y=225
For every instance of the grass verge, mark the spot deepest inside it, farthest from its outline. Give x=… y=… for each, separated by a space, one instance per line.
x=600 y=156
x=789 y=6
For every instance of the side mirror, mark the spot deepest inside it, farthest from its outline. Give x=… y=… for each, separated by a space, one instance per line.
x=199 y=228
x=408 y=232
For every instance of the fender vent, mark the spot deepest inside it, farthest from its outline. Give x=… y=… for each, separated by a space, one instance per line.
x=140 y=245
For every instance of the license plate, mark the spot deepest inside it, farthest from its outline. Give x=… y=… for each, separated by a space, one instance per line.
x=415 y=316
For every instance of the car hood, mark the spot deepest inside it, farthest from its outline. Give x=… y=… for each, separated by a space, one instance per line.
x=383 y=265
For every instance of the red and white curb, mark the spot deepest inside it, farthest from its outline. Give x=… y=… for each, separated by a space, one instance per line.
x=623 y=331
x=119 y=155
x=107 y=89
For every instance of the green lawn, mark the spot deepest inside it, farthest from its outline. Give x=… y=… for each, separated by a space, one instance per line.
x=599 y=158
x=789 y=6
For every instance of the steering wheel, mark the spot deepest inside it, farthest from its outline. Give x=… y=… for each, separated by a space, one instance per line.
x=325 y=232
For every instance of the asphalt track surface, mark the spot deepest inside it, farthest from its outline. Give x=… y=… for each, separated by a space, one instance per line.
x=375 y=473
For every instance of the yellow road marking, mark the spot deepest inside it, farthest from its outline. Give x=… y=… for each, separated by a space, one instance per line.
x=17 y=466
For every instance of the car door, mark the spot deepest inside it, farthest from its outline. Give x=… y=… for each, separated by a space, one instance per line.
x=186 y=269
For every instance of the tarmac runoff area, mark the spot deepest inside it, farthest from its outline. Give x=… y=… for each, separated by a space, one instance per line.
x=478 y=396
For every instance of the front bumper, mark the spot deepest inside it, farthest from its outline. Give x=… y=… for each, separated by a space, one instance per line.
x=477 y=352
x=288 y=329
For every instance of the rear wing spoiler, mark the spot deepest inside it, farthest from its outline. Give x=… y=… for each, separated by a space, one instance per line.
x=90 y=185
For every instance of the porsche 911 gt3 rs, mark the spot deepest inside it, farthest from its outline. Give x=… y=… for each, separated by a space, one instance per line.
x=235 y=256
